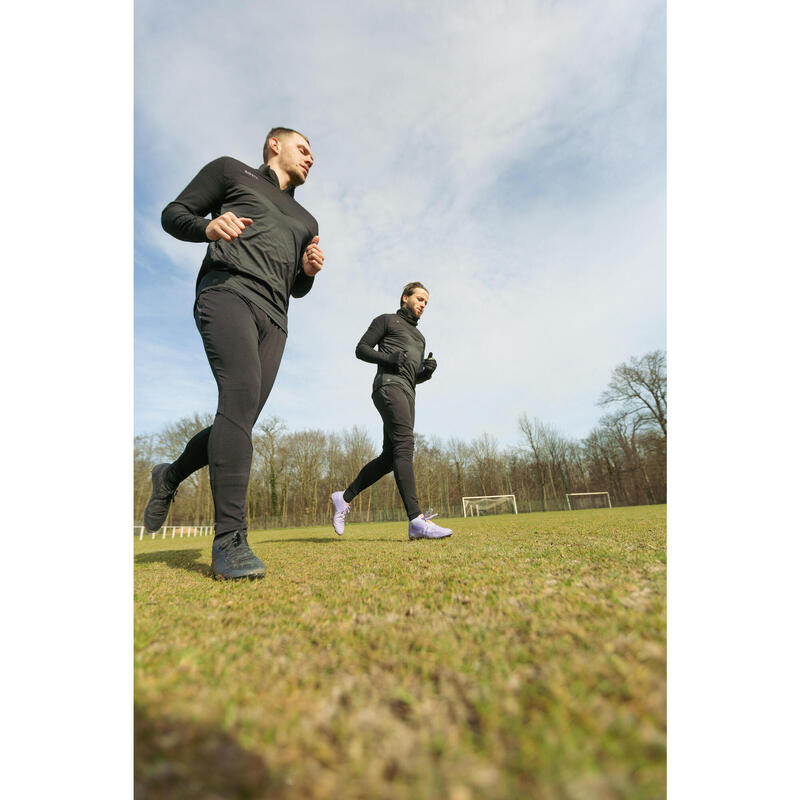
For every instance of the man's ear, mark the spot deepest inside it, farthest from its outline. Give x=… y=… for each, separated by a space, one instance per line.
x=275 y=145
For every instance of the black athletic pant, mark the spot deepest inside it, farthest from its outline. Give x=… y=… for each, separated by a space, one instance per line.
x=396 y=408
x=244 y=349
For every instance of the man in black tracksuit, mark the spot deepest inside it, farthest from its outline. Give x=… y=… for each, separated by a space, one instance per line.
x=401 y=366
x=263 y=247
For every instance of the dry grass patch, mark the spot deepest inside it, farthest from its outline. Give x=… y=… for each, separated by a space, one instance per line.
x=524 y=657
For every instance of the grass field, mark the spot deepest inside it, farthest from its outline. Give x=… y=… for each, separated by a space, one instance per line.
x=525 y=657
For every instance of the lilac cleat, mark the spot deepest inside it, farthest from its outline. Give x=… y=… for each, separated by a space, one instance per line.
x=421 y=527
x=340 y=510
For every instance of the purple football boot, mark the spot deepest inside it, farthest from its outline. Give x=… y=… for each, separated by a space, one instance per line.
x=340 y=510
x=421 y=527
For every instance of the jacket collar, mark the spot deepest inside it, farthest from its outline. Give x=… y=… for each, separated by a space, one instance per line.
x=407 y=315
x=270 y=175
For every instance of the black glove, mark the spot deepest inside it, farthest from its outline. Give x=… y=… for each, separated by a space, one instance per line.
x=427 y=368
x=397 y=361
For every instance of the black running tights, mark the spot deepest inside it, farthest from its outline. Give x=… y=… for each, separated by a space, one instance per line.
x=396 y=408
x=244 y=349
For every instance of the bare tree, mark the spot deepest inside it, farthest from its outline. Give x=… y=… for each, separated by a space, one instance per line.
x=531 y=433
x=431 y=472
x=625 y=429
x=358 y=450
x=605 y=463
x=144 y=457
x=487 y=464
x=640 y=389
x=266 y=444
x=306 y=456
x=458 y=453
x=441 y=474
x=293 y=473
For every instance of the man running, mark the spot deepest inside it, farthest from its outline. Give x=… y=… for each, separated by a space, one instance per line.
x=263 y=247
x=401 y=366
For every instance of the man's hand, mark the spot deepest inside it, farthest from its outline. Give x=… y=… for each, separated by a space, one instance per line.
x=226 y=226
x=426 y=368
x=313 y=258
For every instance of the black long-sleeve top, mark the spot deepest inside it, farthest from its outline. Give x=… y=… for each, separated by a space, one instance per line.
x=393 y=333
x=265 y=262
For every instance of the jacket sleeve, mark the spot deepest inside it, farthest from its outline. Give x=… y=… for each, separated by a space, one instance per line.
x=365 y=349
x=427 y=367
x=424 y=375
x=302 y=282
x=185 y=217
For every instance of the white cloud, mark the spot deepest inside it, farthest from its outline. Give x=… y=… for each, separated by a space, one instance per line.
x=428 y=123
x=172 y=382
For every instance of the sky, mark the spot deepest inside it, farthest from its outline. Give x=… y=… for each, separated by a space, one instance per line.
x=510 y=156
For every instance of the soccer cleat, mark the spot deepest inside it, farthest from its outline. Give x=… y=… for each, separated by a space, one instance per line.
x=163 y=494
x=231 y=557
x=421 y=527
x=340 y=510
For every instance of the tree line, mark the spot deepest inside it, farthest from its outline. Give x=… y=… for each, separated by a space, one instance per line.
x=295 y=472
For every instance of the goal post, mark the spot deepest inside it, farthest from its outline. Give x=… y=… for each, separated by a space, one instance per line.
x=588 y=500
x=494 y=503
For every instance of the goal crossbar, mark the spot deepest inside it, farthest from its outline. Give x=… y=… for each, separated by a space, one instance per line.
x=487 y=501
x=585 y=494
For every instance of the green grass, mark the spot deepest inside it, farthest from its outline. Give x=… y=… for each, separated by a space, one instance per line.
x=525 y=657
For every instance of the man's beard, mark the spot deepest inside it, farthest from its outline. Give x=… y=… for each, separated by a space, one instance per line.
x=298 y=177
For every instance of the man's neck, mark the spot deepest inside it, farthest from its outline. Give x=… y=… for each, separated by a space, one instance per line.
x=408 y=314
x=283 y=177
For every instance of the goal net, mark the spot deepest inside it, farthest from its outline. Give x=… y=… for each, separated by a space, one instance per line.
x=489 y=504
x=580 y=500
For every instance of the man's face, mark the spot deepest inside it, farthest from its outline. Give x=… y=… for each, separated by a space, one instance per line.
x=295 y=158
x=416 y=302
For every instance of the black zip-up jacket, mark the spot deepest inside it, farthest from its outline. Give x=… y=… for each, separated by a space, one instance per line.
x=265 y=262
x=393 y=333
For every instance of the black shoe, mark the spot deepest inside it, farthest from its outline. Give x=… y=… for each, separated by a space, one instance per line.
x=231 y=557
x=163 y=494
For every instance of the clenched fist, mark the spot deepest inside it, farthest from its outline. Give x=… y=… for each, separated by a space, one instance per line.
x=313 y=258
x=226 y=226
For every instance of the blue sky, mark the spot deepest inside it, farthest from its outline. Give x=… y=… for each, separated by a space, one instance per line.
x=510 y=156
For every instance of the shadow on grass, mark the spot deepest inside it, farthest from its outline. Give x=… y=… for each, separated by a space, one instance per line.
x=178 y=559
x=179 y=759
x=312 y=540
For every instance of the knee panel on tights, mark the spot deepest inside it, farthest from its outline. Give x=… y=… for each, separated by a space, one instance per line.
x=239 y=403
x=404 y=448
x=385 y=459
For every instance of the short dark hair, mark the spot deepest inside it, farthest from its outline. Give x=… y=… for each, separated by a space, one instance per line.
x=278 y=133
x=409 y=290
